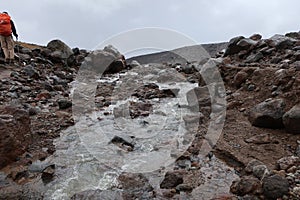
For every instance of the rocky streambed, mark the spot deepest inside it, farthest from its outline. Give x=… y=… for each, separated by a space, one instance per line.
x=221 y=128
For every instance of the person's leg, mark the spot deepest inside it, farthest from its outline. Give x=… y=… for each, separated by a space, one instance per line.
x=10 y=46
x=4 y=47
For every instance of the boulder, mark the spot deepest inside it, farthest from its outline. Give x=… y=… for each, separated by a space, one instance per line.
x=135 y=186
x=109 y=60
x=275 y=187
x=255 y=37
x=268 y=114
x=246 y=185
x=291 y=120
x=59 y=50
x=281 y=42
x=240 y=78
x=171 y=180
x=232 y=47
x=15 y=134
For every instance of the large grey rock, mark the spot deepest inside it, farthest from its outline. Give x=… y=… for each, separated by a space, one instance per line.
x=59 y=49
x=268 y=114
x=282 y=42
x=108 y=60
x=291 y=120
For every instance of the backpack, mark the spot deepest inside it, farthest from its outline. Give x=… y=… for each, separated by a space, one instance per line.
x=5 y=26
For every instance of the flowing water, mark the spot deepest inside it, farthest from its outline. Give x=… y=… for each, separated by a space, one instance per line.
x=86 y=159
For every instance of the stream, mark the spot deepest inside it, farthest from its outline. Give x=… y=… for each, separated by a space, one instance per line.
x=87 y=159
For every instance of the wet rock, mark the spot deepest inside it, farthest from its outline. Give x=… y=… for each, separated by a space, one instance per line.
x=171 y=180
x=15 y=134
x=151 y=90
x=291 y=120
x=138 y=109
x=198 y=97
x=48 y=174
x=97 y=194
x=122 y=143
x=135 y=186
x=122 y=111
x=268 y=114
x=287 y=162
x=188 y=69
x=275 y=187
x=64 y=103
x=246 y=185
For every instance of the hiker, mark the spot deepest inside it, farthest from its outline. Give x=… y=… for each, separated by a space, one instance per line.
x=7 y=28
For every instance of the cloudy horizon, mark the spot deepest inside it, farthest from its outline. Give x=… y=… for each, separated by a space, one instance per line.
x=85 y=24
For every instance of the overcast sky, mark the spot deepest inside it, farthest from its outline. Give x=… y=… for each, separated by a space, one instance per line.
x=86 y=23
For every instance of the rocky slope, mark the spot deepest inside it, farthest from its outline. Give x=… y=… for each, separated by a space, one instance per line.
x=260 y=138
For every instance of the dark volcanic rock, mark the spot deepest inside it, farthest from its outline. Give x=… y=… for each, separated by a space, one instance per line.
x=246 y=185
x=291 y=120
x=135 y=186
x=64 y=103
x=268 y=114
x=275 y=187
x=281 y=42
x=234 y=47
x=171 y=180
x=62 y=51
x=15 y=134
